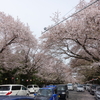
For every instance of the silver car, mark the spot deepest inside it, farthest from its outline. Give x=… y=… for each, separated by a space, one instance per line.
x=80 y=88
x=97 y=93
x=88 y=87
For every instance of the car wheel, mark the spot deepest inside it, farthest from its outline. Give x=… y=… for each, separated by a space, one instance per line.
x=27 y=94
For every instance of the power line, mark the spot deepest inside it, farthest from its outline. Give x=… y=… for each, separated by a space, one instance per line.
x=70 y=16
x=70 y=10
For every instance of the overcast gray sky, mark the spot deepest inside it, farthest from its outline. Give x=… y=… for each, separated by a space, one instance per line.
x=37 y=12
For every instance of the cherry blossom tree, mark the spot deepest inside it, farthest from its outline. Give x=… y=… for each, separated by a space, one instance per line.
x=77 y=37
x=12 y=32
x=52 y=69
x=84 y=69
x=17 y=44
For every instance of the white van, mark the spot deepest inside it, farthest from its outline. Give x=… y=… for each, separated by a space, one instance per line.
x=13 y=89
x=33 y=88
x=70 y=86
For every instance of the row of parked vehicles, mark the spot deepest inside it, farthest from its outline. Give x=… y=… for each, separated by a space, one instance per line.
x=53 y=92
x=17 y=89
x=77 y=87
x=49 y=92
x=20 y=92
x=93 y=89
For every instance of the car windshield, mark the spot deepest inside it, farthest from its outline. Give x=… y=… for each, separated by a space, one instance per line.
x=80 y=86
x=61 y=88
x=4 y=88
x=44 y=92
x=94 y=87
x=69 y=84
x=88 y=85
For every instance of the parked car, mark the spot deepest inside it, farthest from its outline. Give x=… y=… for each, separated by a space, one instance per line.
x=93 y=88
x=13 y=89
x=70 y=86
x=47 y=93
x=75 y=85
x=33 y=88
x=88 y=87
x=97 y=93
x=80 y=87
x=62 y=91
x=6 y=97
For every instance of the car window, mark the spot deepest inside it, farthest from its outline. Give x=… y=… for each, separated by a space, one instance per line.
x=93 y=87
x=45 y=92
x=35 y=86
x=30 y=86
x=98 y=89
x=24 y=88
x=5 y=88
x=61 y=88
x=16 y=87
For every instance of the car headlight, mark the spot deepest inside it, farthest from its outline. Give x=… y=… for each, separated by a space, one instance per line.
x=63 y=92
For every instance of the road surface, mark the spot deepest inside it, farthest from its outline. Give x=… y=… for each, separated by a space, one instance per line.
x=74 y=95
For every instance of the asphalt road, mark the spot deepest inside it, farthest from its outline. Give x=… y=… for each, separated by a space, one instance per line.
x=74 y=95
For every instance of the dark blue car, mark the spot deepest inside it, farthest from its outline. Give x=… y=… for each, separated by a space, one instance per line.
x=47 y=93
x=16 y=98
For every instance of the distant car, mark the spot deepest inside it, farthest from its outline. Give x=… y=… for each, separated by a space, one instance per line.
x=75 y=85
x=80 y=88
x=93 y=88
x=84 y=86
x=97 y=93
x=88 y=87
x=47 y=93
x=62 y=91
x=16 y=98
x=13 y=89
x=33 y=88
x=70 y=86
